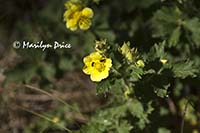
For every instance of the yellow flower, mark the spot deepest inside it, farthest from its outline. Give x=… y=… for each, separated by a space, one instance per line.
x=76 y=15
x=163 y=61
x=129 y=53
x=140 y=63
x=97 y=66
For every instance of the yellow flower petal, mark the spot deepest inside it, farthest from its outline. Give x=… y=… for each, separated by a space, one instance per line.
x=87 y=59
x=98 y=76
x=72 y=24
x=95 y=77
x=87 y=70
x=87 y=12
x=85 y=23
x=95 y=56
x=67 y=14
x=108 y=63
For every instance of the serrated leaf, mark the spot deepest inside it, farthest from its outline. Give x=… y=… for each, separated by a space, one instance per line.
x=135 y=73
x=184 y=69
x=157 y=51
x=136 y=109
x=174 y=38
x=124 y=127
x=162 y=92
x=165 y=21
x=103 y=86
x=193 y=26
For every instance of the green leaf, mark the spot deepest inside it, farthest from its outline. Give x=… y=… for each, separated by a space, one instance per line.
x=174 y=38
x=163 y=130
x=23 y=72
x=136 y=109
x=48 y=71
x=157 y=51
x=107 y=120
x=193 y=26
x=135 y=73
x=162 y=92
x=103 y=86
x=124 y=127
x=165 y=21
x=184 y=69
x=107 y=34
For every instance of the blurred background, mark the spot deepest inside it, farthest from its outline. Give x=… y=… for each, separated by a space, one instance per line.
x=51 y=82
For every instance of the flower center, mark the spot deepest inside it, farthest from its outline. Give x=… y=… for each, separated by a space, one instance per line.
x=99 y=65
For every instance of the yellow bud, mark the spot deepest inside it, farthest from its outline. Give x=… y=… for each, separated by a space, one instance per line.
x=127 y=51
x=163 y=61
x=140 y=63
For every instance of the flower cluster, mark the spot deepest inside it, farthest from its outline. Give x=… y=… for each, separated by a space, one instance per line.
x=97 y=66
x=76 y=15
x=131 y=54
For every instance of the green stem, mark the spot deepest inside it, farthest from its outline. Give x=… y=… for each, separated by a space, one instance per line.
x=46 y=118
x=53 y=97
x=184 y=113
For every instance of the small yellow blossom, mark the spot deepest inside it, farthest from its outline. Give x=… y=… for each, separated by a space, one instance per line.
x=56 y=120
x=97 y=66
x=163 y=61
x=129 y=53
x=76 y=15
x=140 y=63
